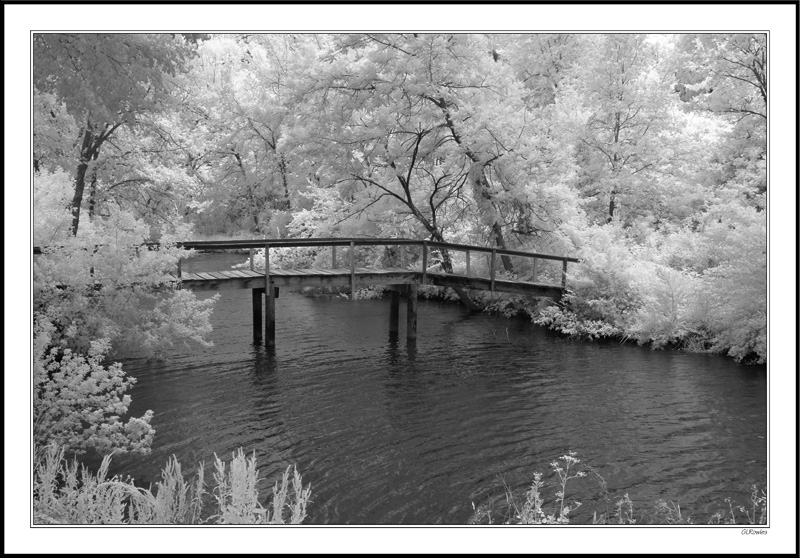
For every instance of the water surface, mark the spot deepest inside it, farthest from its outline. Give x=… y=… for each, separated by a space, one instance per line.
x=388 y=432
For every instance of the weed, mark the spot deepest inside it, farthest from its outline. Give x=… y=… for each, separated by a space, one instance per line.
x=618 y=511
x=69 y=493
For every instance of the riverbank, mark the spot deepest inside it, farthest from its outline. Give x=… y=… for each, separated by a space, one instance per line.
x=556 y=316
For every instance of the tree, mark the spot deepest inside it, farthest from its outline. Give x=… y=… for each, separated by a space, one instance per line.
x=238 y=103
x=622 y=116
x=428 y=124
x=726 y=75
x=105 y=81
x=541 y=61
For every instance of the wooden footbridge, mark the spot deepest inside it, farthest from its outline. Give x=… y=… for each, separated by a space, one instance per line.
x=407 y=265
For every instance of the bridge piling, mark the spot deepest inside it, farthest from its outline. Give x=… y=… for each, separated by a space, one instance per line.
x=269 y=302
x=269 y=316
x=257 y=324
x=394 y=311
x=411 y=318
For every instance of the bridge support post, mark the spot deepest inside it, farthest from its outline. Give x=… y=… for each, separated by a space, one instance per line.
x=269 y=315
x=394 y=311
x=411 y=318
x=269 y=302
x=257 y=331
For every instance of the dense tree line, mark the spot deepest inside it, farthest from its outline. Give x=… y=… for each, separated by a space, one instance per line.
x=643 y=155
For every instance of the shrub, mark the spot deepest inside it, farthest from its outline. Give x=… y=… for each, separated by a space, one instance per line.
x=78 y=401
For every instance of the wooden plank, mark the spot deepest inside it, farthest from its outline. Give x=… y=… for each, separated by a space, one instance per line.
x=230 y=284
x=328 y=272
x=481 y=283
x=206 y=276
x=220 y=275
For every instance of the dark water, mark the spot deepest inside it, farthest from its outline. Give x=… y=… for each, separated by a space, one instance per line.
x=388 y=433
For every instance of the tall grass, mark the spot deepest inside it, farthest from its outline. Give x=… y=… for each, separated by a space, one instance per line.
x=68 y=493
x=536 y=509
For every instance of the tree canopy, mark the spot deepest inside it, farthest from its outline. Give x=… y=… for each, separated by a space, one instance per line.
x=643 y=154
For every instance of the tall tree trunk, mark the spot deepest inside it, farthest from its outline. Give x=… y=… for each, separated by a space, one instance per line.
x=479 y=177
x=447 y=266
x=282 y=166
x=90 y=149
x=500 y=242
x=612 y=205
x=93 y=193
x=80 y=178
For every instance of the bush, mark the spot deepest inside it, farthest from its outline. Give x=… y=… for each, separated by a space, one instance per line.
x=77 y=402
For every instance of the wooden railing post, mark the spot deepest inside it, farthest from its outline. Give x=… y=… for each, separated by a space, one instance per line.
x=424 y=262
x=468 y=274
x=491 y=269
x=402 y=256
x=179 y=267
x=564 y=275
x=352 y=270
x=333 y=257
x=252 y=263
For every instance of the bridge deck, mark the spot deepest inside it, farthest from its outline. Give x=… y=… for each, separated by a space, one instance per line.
x=251 y=279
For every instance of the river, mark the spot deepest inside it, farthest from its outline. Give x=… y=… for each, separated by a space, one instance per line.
x=391 y=433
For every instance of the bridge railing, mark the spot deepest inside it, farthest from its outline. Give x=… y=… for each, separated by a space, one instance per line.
x=350 y=244
x=422 y=255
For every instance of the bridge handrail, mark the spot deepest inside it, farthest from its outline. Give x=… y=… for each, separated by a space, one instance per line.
x=353 y=242
x=312 y=242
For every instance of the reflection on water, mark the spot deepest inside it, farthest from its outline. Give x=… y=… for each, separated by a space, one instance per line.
x=391 y=432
